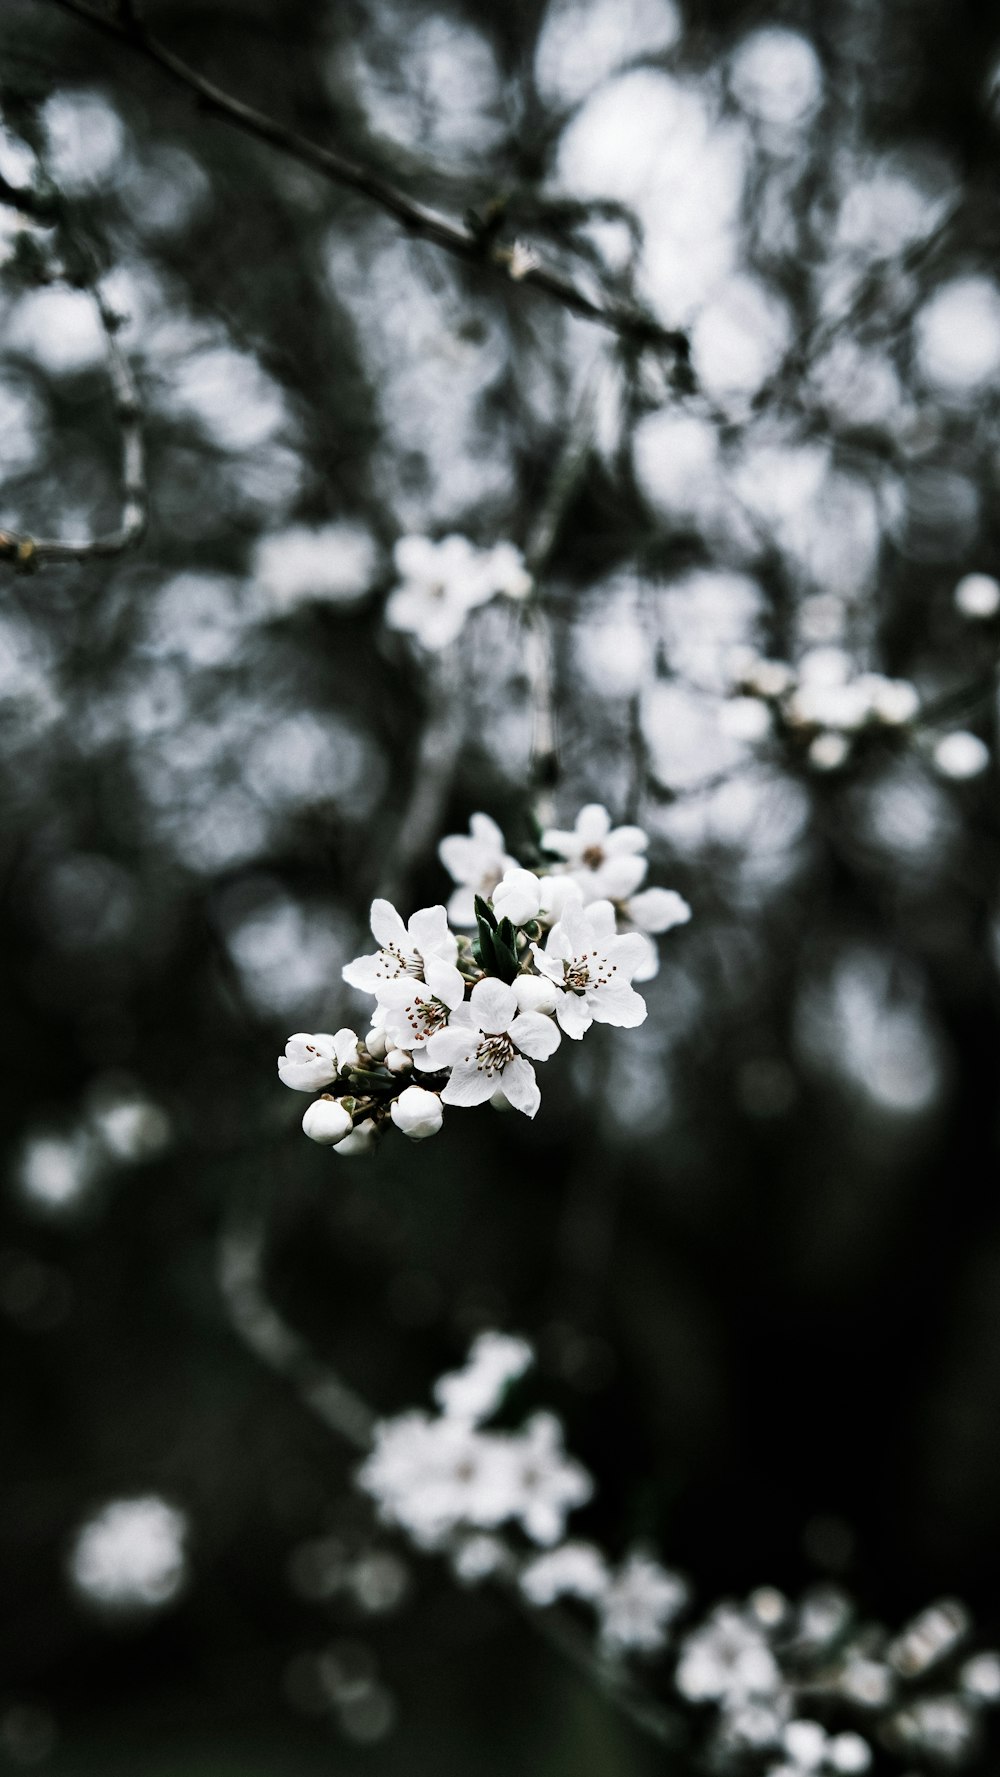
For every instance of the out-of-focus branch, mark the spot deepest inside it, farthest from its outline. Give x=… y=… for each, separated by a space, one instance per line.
x=270 y=1338
x=539 y=654
x=465 y=241
x=434 y=770
x=28 y=552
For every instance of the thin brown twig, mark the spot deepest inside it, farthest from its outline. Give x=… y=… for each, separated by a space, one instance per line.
x=461 y=239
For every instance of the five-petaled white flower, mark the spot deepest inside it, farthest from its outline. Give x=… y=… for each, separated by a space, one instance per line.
x=594 y=965
x=423 y=950
x=488 y=1044
x=442 y=582
x=475 y=861
x=546 y=1484
x=608 y=863
x=410 y=1013
x=311 y=1061
x=641 y=1598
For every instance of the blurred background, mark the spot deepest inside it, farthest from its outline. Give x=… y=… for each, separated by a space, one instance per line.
x=756 y=1242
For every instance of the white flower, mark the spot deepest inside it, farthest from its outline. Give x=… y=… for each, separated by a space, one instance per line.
x=475 y=861
x=607 y=863
x=517 y=897
x=637 y=1604
x=411 y=1014
x=805 y=1743
x=131 y=1554
x=488 y=1043
x=327 y=1121
x=423 y=950
x=362 y=1139
x=594 y=965
x=432 y=1475
x=474 y=1392
x=961 y=755
x=726 y=1658
x=575 y=1570
x=443 y=582
x=417 y=1113
x=546 y=1484
x=309 y=1062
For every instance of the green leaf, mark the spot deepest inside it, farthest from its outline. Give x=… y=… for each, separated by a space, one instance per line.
x=505 y=934
x=487 y=953
x=485 y=912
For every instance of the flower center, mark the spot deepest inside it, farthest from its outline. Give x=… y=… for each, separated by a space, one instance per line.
x=593 y=857
x=424 y=1017
x=588 y=970
x=493 y=1053
x=392 y=963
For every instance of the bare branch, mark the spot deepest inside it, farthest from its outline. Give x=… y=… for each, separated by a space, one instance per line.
x=459 y=238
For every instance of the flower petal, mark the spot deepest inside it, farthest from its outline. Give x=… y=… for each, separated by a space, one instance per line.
x=535 y=1035
x=520 y=1086
x=444 y=981
x=617 y=878
x=469 y=1085
x=624 y=840
x=493 y=1004
x=428 y=932
x=617 y=1005
x=364 y=974
x=593 y=824
x=387 y=927
x=658 y=909
x=574 y=1015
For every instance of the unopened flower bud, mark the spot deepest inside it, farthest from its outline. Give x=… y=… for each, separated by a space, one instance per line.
x=534 y=993
x=398 y=1061
x=517 y=897
x=376 y=1043
x=361 y=1140
x=417 y=1112
x=327 y=1121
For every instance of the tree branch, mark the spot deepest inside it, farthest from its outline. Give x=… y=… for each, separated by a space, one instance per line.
x=458 y=238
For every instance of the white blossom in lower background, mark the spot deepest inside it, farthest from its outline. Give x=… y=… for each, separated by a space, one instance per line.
x=558 y=947
x=757 y=1671
x=131 y=1555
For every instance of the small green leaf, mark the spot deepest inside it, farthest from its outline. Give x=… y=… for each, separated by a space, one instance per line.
x=485 y=912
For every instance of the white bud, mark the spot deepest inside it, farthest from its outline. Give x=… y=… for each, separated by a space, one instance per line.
x=376 y=1043
x=398 y=1061
x=517 y=896
x=361 y=1140
x=309 y=1061
x=534 y=993
x=326 y=1121
x=849 y=1754
x=417 y=1112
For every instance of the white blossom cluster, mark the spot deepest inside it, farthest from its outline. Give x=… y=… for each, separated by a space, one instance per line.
x=441 y=583
x=453 y=1483
x=459 y=1020
x=824 y=706
x=788 y=1688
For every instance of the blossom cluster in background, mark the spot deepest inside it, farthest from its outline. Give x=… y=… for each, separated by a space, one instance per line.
x=789 y=1687
x=461 y=1021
